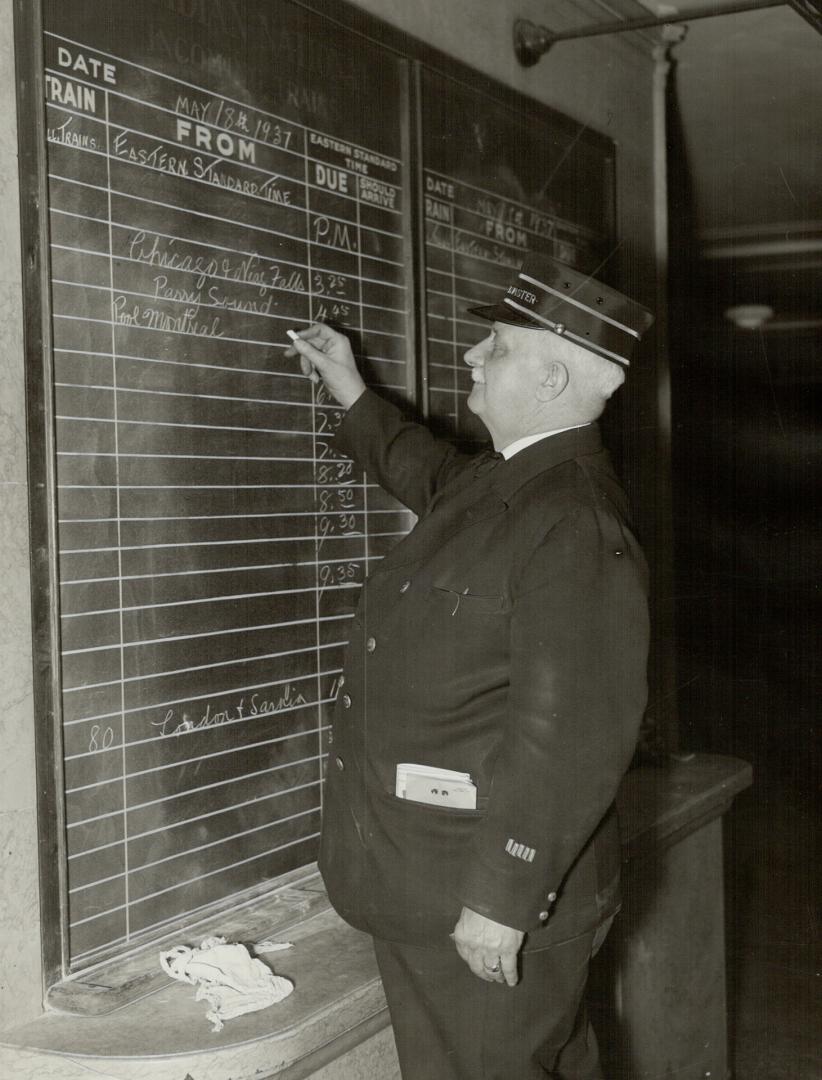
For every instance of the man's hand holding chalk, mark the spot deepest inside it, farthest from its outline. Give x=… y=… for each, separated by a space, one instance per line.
x=326 y=354
x=304 y=363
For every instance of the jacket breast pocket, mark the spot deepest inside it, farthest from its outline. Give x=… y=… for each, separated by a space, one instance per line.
x=466 y=603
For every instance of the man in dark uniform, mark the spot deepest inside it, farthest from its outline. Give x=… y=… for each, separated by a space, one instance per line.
x=504 y=638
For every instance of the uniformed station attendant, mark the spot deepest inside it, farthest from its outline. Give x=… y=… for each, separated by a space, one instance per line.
x=504 y=638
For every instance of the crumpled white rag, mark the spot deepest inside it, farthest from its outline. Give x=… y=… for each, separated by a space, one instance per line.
x=231 y=980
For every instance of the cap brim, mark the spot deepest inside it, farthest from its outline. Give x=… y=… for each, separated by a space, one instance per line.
x=505 y=314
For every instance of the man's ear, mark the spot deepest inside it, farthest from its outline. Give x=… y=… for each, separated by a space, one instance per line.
x=553 y=381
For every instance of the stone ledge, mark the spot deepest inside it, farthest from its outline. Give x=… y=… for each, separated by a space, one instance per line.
x=139 y=1024
x=337 y=1003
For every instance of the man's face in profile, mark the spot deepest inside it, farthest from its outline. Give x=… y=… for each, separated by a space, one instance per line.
x=505 y=368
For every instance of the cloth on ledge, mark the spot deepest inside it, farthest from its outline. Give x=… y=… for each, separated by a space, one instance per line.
x=226 y=976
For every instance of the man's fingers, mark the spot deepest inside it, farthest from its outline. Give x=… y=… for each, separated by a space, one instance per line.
x=510 y=972
x=481 y=965
x=317 y=332
x=308 y=369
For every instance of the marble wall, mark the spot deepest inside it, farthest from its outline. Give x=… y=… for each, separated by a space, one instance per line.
x=20 y=981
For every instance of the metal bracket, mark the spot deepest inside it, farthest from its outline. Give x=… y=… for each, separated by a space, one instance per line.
x=532 y=41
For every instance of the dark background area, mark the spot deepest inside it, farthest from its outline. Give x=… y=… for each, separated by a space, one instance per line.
x=747 y=465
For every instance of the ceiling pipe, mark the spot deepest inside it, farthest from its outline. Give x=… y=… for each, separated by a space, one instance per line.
x=532 y=41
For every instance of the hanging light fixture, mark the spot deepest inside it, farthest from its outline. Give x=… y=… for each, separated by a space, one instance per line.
x=749 y=316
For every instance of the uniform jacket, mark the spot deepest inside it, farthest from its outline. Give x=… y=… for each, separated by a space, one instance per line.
x=506 y=636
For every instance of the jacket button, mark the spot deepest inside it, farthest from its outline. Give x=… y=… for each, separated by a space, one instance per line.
x=406 y=585
x=552 y=897
x=338 y=761
x=346 y=700
x=371 y=644
x=543 y=915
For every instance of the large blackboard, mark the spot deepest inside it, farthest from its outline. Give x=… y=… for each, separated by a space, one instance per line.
x=219 y=172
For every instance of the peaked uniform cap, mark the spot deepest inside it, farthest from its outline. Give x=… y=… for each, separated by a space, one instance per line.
x=548 y=295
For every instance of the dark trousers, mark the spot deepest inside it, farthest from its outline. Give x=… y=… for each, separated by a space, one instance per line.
x=450 y=1025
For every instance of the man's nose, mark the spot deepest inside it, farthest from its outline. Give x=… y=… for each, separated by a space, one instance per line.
x=476 y=354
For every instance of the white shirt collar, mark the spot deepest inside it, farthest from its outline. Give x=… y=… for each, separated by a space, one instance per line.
x=528 y=440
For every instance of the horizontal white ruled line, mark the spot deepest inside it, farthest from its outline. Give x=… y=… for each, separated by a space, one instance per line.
x=210 y=696
x=161 y=330
x=486 y=239
x=235 y=660
x=195 y=366
x=302 y=155
x=122 y=455
x=191 y=881
x=181 y=394
x=227 y=632
x=196 y=790
x=454 y=343
x=453 y=295
x=289 y=319
x=448 y=367
x=511 y=202
x=190 y=427
x=166 y=827
x=471 y=254
x=277 y=263
x=191 y=212
x=230 y=598
x=223 y=569
x=208 y=487
x=228 y=543
x=282 y=148
x=233 y=749
x=187 y=178
x=136 y=869
x=236 y=517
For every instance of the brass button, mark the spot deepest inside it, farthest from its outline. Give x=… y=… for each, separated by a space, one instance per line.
x=346 y=700
x=406 y=585
x=338 y=761
x=371 y=644
x=552 y=897
x=543 y=915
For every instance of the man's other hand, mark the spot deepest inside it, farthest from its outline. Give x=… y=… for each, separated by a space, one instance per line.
x=485 y=945
x=328 y=352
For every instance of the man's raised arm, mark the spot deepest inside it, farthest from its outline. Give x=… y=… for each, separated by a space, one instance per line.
x=402 y=456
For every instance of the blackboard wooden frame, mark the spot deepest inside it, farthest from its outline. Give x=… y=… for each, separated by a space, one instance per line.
x=38 y=357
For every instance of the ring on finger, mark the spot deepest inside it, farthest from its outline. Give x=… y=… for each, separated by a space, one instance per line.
x=494 y=968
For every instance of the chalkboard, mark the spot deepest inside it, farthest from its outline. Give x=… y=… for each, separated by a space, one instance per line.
x=500 y=180
x=207 y=191
x=218 y=173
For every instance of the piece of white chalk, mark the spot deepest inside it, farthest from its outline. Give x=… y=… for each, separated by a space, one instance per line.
x=293 y=334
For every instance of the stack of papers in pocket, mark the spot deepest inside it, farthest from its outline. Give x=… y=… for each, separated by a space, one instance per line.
x=439 y=787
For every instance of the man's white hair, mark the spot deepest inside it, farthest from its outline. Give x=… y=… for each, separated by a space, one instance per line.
x=593 y=379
